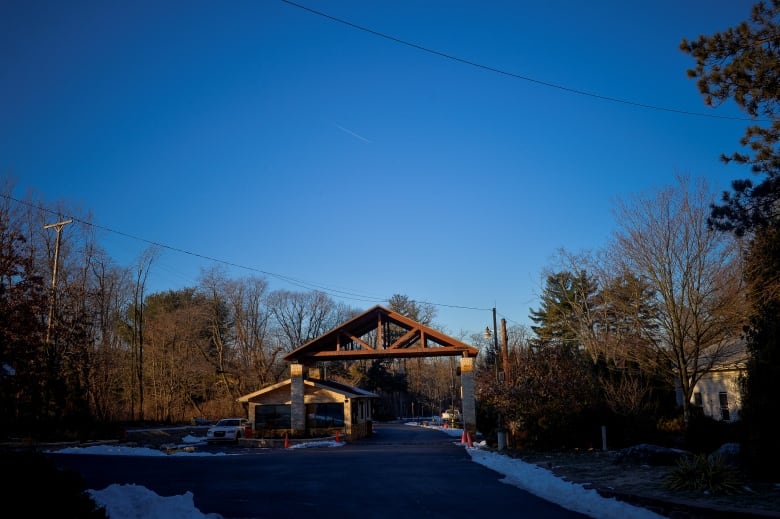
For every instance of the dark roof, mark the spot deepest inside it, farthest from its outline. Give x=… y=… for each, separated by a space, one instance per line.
x=344 y=389
x=341 y=388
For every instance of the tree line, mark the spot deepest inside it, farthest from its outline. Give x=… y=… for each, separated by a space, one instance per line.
x=622 y=331
x=618 y=331
x=97 y=348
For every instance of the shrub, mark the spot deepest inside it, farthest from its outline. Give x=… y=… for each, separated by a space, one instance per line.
x=673 y=424
x=705 y=434
x=701 y=473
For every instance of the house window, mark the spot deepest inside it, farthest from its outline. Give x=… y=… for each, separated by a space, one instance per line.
x=324 y=415
x=724 y=406
x=697 y=399
x=272 y=417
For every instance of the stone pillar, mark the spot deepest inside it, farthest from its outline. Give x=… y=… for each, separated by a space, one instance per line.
x=348 y=425
x=469 y=412
x=297 y=404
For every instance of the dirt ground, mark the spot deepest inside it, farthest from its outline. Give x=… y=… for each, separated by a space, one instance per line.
x=644 y=485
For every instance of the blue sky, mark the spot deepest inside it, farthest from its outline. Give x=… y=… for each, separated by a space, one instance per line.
x=282 y=141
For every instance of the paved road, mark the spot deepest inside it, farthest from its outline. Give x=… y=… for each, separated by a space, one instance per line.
x=401 y=472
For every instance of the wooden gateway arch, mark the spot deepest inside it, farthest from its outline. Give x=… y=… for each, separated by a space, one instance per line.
x=380 y=333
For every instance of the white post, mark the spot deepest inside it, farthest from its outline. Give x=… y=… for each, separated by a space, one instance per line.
x=501 y=440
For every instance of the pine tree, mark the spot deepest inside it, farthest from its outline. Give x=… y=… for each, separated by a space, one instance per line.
x=743 y=64
x=565 y=296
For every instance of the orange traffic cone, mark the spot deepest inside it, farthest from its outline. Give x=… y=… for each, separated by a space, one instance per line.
x=286 y=441
x=337 y=436
x=468 y=441
x=463 y=437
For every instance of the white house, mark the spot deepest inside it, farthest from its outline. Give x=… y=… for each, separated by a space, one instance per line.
x=718 y=392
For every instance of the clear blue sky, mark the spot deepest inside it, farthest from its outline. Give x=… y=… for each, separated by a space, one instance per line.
x=282 y=141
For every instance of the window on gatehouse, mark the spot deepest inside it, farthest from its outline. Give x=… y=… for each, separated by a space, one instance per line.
x=324 y=415
x=274 y=416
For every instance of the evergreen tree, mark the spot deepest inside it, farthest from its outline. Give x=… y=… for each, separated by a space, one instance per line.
x=555 y=385
x=626 y=314
x=743 y=64
x=423 y=313
x=760 y=406
x=566 y=296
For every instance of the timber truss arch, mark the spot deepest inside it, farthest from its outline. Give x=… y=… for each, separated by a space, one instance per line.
x=379 y=333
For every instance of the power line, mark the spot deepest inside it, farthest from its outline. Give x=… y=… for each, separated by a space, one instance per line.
x=451 y=306
x=282 y=277
x=517 y=76
x=343 y=294
x=510 y=319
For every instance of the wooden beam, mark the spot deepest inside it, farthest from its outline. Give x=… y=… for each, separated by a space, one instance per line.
x=357 y=340
x=344 y=342
x=442 y=351
x=404 y=340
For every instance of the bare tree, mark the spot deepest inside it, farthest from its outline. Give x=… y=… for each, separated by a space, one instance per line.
x=179 y=369
x=301 y=316
x=256 y=353
x=23 y=296
x=694 y=273
x=241 y=322
x=137 y=323
x=519 y=338
x=110 y=299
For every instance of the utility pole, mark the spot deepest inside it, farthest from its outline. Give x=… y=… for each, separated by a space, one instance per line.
x=500 y=355
x=499 y=372
x=52 y=297
x=504 y=351
x=500 y=358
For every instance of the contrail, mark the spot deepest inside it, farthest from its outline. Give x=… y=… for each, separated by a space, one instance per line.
x=351 y=133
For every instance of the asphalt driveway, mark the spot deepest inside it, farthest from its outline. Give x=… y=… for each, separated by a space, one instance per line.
x=401 y=471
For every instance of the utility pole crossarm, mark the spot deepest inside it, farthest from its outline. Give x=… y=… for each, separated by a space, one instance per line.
x=58 y=227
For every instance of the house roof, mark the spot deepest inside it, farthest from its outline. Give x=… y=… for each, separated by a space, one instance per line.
x=379 y=333
x=350 y=391
x=726 y=356
x=330 y=385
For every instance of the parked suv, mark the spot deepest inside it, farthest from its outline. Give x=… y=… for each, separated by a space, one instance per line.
x=450 y=415
x=228 y=430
